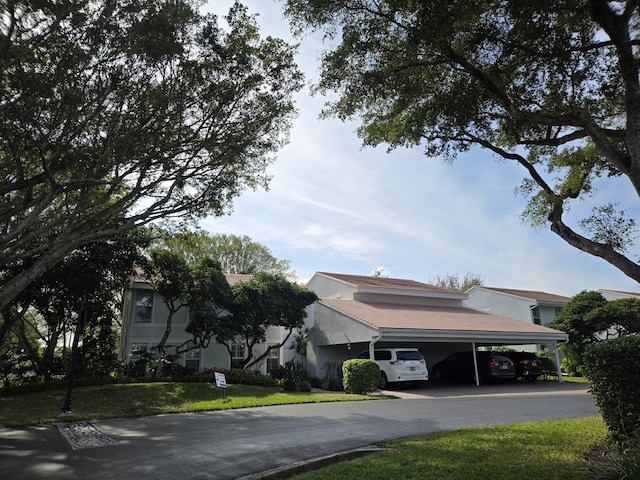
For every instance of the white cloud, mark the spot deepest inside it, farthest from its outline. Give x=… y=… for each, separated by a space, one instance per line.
x=333 y=206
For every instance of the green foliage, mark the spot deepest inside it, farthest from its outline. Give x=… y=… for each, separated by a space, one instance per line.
x=611 y=367
x=542 y=84
x=588 y=317
x=293 y=375
x=360 y=375
x=264 y=301
x=615 y=461
x=119 y=114
x=455 y=282
x=236 y=253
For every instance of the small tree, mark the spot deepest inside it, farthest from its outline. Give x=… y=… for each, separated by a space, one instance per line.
x=266 y=300
x=590 y=318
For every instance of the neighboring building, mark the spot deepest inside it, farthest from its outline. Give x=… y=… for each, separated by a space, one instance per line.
x=357 y=313
x=617 y=294
x=530 y=306
x=144 y=321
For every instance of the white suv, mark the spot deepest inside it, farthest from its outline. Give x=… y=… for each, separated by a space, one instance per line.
x=399 y=365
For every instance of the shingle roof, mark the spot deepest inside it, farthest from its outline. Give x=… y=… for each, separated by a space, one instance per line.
x=401 y=316
x=531 y=294
x=384 y=282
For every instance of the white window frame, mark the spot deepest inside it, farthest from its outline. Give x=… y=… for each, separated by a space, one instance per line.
x=142 y=295
x=273 y=359
x=237 y=353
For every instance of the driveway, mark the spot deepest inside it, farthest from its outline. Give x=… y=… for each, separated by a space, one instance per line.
x=239 y=443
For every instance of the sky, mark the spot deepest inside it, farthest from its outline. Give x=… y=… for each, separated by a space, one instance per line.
x=334 y=206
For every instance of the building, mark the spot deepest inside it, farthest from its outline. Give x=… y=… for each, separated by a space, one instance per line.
x=357 y=313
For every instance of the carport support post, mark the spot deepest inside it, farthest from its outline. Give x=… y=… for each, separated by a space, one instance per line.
x=475 y=364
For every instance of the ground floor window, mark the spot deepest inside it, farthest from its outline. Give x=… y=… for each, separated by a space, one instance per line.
x=237 y=355
x=273 y=359
x=139 y=348
x=192 y=359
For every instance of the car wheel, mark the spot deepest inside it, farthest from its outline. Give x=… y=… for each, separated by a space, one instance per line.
x=384 y=383
x=437 y=375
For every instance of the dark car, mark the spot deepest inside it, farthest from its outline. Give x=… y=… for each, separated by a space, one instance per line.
x=460 y=366
x=528 y=365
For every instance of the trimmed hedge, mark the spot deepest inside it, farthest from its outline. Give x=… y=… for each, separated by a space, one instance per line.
x=360 y=375
x=612 y=369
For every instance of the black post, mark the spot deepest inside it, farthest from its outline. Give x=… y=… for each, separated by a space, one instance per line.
x=66 y=410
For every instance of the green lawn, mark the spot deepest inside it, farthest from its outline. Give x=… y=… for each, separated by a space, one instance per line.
x=137 y=399
x=550 y=450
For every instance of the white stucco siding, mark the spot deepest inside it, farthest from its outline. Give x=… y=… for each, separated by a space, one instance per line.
x=326 y=287
x=335 y=328
x=502 y=304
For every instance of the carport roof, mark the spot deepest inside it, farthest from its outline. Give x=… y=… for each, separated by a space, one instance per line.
x=440 y=323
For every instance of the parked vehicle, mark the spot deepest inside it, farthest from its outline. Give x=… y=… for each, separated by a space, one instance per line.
x=528 y=365
x=460 y=366
x=399 y=365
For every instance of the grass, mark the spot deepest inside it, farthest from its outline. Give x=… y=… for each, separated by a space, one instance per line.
x=141 y=399
x=549 y=450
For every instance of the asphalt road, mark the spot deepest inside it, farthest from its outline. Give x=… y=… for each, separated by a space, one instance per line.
x=239 y=443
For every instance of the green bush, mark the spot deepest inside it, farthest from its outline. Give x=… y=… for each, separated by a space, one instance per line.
x=360 y=375
x=333 y=384
x=611 y=367
x=291 y=373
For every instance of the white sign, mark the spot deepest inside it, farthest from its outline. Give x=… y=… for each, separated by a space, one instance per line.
x=221 y=381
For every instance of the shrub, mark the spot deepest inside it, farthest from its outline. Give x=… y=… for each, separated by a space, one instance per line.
x=360 y=375
x=610 y=366
x=333 y=384
x=291 y=373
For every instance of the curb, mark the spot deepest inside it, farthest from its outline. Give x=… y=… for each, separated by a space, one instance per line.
x=313 y=464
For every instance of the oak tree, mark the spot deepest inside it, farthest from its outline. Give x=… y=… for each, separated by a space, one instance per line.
x=552 y=86
x=117 y=114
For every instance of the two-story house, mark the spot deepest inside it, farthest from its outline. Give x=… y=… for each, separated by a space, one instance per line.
x=144 y=320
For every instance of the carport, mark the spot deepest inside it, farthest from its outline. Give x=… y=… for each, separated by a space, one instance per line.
x=343 y=323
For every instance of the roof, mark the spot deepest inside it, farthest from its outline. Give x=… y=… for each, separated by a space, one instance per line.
x=529 y=294
x=365 y=281
x=402 y=316
x=620 y=292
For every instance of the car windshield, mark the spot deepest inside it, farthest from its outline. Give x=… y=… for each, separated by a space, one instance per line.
x=410 y=355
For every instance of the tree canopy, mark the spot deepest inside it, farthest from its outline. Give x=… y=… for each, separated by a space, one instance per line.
x=236 y=253
x=266 y=300
x=553 y=86
x=589 y=318
x=116 y=114
x=453 y=281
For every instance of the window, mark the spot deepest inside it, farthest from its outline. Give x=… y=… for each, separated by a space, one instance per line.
x=192 y=359
x=144 y=301
x=273 y=359
x=138 y=349
x=237 y=355
x=535 y=311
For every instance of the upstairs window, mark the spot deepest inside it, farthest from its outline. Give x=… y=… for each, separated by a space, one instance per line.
x=535 y=312
x=144 y=302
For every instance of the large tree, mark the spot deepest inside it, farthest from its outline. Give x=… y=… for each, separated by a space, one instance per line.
x=116 y=114
x=553 y=86
x=236 y=253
